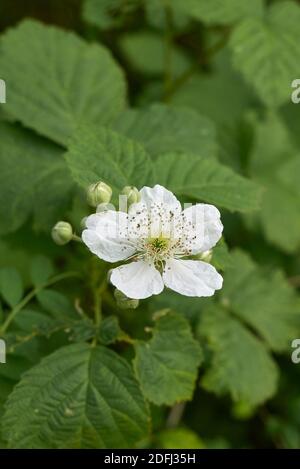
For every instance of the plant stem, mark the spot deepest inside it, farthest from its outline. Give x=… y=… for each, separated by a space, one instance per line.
x=98 y=307
x=175 y=415
x=76 y=238
x=31 y=295
x=182 y=79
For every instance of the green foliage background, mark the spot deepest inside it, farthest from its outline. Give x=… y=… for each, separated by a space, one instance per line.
x=194 y=95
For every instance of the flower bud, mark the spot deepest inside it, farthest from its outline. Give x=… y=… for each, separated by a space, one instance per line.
x=123 y=302
x=205 y=256
x=98 y=193
x=132 y=194
x=62 y=233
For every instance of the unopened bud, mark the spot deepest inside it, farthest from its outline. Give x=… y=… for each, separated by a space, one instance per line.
x=124 y=302
x=62 y=233
x=132 y=194
x=205 y=256
x=98 y=193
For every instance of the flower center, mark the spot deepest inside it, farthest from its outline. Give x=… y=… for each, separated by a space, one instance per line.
x=157 y=249
x=158 y=244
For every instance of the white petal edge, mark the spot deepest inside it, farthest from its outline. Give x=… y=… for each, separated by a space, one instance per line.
x=137 y=280
x=192 y=278
x=159 y=195
x=106 y=236
x=208 y=234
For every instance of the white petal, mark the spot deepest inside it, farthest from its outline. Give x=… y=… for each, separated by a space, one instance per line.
x=192 y=278
x=106 y=236
x=156 y=214
x=206 y=228
x=137 y=280
x=159 y=195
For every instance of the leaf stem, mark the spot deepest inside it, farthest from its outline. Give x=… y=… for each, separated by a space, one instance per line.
x=175 y=415
x=76 y=238
x=31 y=295
x=98 y=307
x=182 y=79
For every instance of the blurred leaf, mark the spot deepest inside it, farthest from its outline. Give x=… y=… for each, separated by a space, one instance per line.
x=275 y=163
x=240 y=365
x=163 y=128
x=266 y=51
x=207 y=180
x=169 y=360
x=157 y=16
x=11 y=286
x=221 y=257
x=102 y=154
x=179 y=438
x=90 y=396
x=187 y=306
x=41 y=270
x=222 y=95
x=56 y=303
x=146 y=52
x=262 y=299
x=31 y=320
x=219 y=94
x=107 y=14
x=34 y=180
x=220 y=11
x=63 y=81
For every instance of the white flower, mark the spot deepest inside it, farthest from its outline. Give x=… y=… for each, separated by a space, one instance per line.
x=156 y=235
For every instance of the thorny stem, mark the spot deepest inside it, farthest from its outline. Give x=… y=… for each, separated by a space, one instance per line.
x=31 y=295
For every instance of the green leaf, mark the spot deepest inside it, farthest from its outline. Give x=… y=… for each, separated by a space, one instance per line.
x=163 y=128
x=240 y=364
x=207 y=180
x=34 y=180
x=221 y=257
x=216 y=92
x=266 y=51
x=56 y=303
x=63 y=81
x=157 y=17
x=166 y=366
x=110 y=331
x=107 y=14
x=102 y=154
x=41 y=269
x=275 y=163
x=220 y=11
x=262 y=299
x=179 y=438
x=146 y=52
x=78 y=397
x=188 y=306
x=31 y=320
x=11 y=286
x=212 y=94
